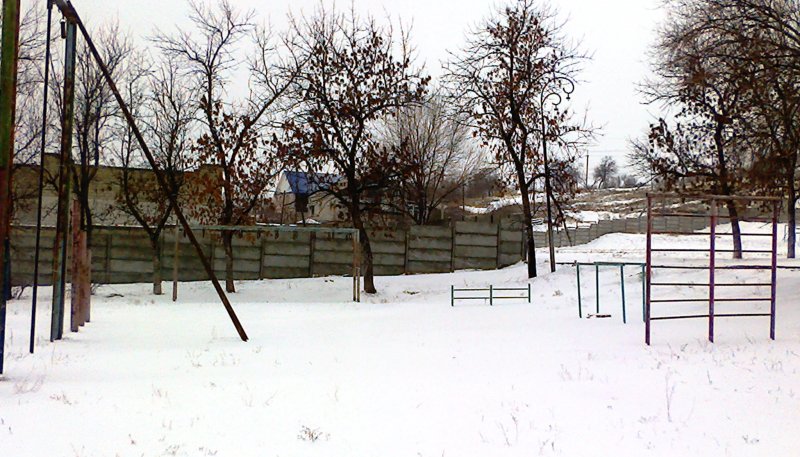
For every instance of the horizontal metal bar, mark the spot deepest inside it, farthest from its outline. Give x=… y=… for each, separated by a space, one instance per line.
x=681 y=233
x=671 y=318
x=753 y=198
x=744 y=315
x=733 y=300
x=686 y=284
x=510 y=298
x=660 y=214
x=729 y=267
x=765 y=220
x=746 y=251
x=682 y=250
x=473 y=290
x=470 y=298
x=508 y=289
x=744 y=234
x=274 y=228
x=604 y=264
x=686 y=300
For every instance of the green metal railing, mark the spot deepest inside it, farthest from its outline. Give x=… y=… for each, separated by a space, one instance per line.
x=621 y=266
x=490 y=294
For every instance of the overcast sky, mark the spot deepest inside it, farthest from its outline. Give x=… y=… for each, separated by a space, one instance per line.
x=616 y=32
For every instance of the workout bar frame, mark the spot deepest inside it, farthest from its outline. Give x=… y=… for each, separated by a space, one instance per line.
x=713 y=215
x=492 y=297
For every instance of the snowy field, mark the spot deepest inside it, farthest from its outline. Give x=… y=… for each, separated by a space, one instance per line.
x=404 y=374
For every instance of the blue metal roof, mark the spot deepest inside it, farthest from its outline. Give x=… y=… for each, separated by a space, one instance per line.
x=303 y=183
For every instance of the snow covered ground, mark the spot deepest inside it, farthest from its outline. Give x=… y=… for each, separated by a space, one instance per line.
x=404 y=374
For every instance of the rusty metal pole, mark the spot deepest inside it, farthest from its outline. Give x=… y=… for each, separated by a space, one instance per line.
x=77 y=283
x=8 y=105
x=62 y=219
x=69 y=11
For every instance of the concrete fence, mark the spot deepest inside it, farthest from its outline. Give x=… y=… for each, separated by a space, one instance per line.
x=124 y=254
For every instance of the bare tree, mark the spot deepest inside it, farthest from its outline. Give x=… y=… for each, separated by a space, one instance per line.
x=508 y=80
x=30 y=89
x=232 y=132
x=356 y=75
x=606 y=173
x=708 y=148
x=439 y=151
x=165 y=104
x=96 y=111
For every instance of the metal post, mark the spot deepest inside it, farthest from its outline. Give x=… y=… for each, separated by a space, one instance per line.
x=580 y=305
x=355 y=269
x=529 y=292
x=75 y=291
x=547 y=191
x=597 y=286
x=62 y=222
x=34 y=294
x=622 y=286
x=491 y=295
x=175 y=264
x=774 y=270
x=452 y=295
x=644 y=292
x=711 y=268
x=648 y=269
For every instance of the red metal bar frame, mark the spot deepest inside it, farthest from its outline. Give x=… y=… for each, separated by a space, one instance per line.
x=712 y=268
x=648 y=269
x=774 y=271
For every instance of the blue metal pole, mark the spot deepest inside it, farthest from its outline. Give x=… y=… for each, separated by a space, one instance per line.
x=597 y=285
x=622 y=286
x=578 y=273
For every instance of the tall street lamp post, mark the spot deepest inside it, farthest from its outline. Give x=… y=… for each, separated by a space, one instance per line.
x=553 y=90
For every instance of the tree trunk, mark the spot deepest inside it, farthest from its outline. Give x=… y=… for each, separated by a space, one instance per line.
x=369 y=273
x=528 y=215
x=366 y=250
x=156 y=248
x=791 y=235
x=737 y=231
x=227 y=243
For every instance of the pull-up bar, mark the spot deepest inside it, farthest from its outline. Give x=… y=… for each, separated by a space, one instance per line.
x=597 y=266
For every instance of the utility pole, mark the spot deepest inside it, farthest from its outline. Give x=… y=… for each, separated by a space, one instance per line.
x=9 y=43
x=586 y=181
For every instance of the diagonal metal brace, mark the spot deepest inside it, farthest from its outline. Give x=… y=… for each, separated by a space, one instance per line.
x=68 y=10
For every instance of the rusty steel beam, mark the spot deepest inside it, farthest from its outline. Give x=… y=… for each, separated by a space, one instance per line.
x=8 y=106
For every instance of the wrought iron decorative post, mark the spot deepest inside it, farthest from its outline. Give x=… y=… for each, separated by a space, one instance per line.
x=553 y=89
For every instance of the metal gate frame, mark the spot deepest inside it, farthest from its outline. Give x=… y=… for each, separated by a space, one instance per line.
x=713 y=202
